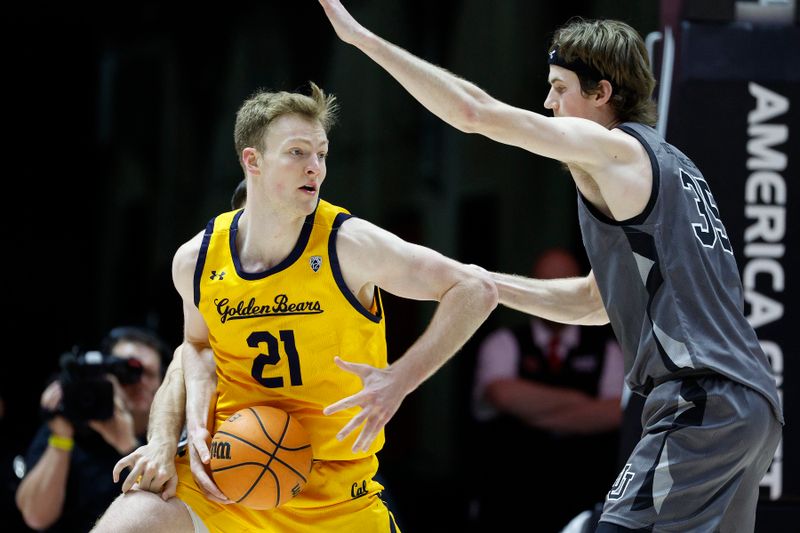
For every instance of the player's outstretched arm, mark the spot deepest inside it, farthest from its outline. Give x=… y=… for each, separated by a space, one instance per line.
x=199 y=370
x=153 y=465
x=566 y=300
x=370 y=256
x=467 y=107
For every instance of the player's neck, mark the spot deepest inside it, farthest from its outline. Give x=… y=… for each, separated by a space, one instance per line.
x=266 y=236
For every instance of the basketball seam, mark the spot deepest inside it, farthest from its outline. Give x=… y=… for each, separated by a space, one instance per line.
x=272 y=456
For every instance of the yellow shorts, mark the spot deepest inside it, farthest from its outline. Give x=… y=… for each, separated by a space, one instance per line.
x=339 y=496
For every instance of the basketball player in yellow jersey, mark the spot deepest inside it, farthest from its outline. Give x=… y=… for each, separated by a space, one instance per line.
x=286 y=294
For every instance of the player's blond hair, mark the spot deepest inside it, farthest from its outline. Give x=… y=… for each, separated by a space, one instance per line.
x=257 y=113
x=618 y=52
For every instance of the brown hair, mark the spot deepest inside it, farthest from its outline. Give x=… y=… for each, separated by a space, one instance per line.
x=258 y=111
x=618 y=52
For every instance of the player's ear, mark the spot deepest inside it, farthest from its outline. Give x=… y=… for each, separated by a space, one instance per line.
x=251 y=160
x=603 y=93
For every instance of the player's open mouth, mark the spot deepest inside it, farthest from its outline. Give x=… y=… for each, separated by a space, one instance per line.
x=308 y=188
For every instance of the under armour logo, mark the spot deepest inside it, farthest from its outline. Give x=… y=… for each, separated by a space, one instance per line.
x=623 y=480
x=214 y=275
x=315 y=262
x=552 y=54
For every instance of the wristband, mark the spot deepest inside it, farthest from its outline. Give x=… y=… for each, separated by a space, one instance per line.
x=61 y=443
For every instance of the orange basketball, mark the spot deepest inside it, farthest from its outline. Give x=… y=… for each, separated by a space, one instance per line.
x=261 y=457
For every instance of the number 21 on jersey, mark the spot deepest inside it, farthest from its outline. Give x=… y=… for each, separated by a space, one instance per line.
x=259 y=338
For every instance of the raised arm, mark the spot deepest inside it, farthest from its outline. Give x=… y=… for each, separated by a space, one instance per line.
x=470 y=109
x=371 y=256
x=565 y=300
x=199 y=370
x=615 y=161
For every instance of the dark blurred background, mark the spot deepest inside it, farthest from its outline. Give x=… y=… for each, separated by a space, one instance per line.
x=121 y=149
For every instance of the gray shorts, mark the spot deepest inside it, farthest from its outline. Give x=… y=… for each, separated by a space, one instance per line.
x=706 y=443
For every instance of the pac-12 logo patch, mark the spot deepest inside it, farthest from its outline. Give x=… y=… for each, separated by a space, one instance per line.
x=621 y=484
x=315 y=262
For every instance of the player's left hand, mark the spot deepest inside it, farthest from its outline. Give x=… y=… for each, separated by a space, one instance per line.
x=379 y=400
x=152 y=469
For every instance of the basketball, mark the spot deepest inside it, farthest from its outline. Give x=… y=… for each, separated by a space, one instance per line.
x=261 y=457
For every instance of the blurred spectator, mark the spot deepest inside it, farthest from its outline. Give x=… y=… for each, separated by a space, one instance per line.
x=547 y=400
x=68 y=482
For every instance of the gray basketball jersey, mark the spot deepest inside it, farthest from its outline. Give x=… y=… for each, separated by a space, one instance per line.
x=670 y=283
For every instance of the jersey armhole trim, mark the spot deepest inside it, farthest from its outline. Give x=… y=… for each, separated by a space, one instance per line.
x=201 y=261
x=651 y=202
x=337 y=274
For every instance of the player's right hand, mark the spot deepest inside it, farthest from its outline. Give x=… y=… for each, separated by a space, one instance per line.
x=199 y=458
x=152 y=469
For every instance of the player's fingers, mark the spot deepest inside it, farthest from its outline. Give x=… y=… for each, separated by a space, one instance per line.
x=156 y=482
x=122 y=464
x=360 y=369
x=352 y=425
x=149 y=478
x=133 y=477
x=209 y=487
x=368 y=434
x=341 y=405
x=200 y=447
x=170 y=488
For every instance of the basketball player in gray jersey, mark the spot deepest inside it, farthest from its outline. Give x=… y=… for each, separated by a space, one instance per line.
x=663 y=272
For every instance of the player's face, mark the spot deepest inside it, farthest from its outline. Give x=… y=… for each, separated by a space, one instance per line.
x=139 y=396
x=565 y=98
x=294 y=162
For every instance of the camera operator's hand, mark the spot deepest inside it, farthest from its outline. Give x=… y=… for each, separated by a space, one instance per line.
x=51 y=399
x=199 y=457
x=118 y=430
x=152 y=469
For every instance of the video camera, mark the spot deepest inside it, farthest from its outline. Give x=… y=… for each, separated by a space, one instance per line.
x=88 y=393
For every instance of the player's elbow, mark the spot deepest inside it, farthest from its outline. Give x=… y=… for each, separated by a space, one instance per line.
x=484 y=292
x=473 y=113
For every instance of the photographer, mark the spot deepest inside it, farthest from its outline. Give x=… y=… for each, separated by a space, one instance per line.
x=68 y=484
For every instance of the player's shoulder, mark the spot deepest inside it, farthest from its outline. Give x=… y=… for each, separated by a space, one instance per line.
x=186 y=255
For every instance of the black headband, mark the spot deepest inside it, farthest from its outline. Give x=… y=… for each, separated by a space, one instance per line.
x=576 y=65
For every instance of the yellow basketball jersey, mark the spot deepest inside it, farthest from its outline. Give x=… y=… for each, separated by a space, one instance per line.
x=275 y=333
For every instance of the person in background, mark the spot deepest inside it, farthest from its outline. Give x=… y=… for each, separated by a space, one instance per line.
x=67 y=485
